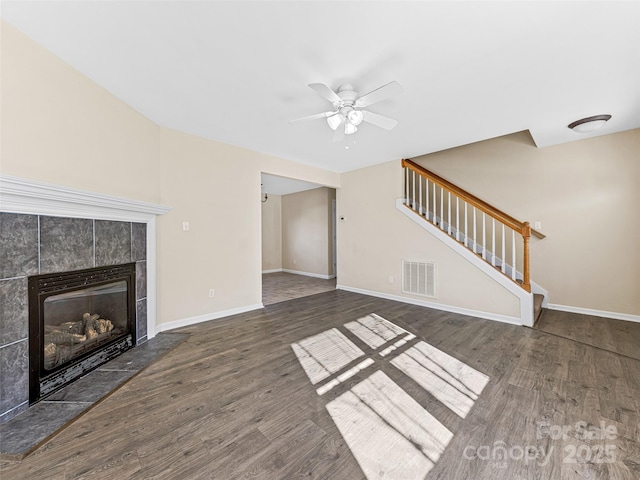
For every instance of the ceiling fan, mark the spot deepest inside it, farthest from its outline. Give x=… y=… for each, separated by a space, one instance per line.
x=348 y=108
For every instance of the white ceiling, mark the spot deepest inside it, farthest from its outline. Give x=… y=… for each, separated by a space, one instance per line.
x=237 y=71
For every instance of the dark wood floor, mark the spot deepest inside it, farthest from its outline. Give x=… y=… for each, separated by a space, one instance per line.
x=233 y=401
x=618 y=336
x=282 y=286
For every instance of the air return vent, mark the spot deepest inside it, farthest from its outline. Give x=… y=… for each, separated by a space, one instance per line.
x=419 y=278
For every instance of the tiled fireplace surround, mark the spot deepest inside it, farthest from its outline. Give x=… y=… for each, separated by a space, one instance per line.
x=32 y=244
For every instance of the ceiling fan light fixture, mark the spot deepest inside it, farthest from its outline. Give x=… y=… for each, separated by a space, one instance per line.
x=334 y=121
x=355 y=117
x=589 y=124
x=350 y=128
x=349 y=108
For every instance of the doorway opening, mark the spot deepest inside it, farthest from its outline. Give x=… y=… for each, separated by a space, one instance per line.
x=298 y=239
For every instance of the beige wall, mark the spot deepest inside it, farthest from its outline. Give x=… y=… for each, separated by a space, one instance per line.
x=307 y=231
x=272 y=233
x=375 y=237
x=585 y=193
x=222 y=250
x=59 y=127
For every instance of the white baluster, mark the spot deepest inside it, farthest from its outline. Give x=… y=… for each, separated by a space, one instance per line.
x=449 y=213
x=426 y=196
x=420 y=195
x=457 y=218
x=441 y=208
x=413 y=192
x=513 y=254
x=406 y=186
x=493 y=241
x=484 y=236
x=466 y=226
x=435 y=204
x=474 y=231
x=504 y=259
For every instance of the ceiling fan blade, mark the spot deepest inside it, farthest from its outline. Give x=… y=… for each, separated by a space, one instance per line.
x=379 y=94
x=338 y=136
x=324 y=91
x=379 y=120
x=313 y=117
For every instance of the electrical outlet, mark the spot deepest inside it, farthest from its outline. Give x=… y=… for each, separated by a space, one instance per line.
x=294 y=261
x=390 y=278
x=212 y=293
x=185 y=226
x=537 y=225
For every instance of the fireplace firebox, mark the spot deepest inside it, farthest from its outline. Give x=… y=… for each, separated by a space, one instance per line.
x=78 y=320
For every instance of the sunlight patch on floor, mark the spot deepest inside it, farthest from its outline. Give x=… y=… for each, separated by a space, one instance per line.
x=374 y=330
x=389 y=433
x=324 y=354
x=452 y=382
x=343 y=377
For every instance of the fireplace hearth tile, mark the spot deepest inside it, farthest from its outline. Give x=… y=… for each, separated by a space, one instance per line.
x=65 y=244
x=14 y=311
x=92 y=387
x=113 y=242
x=143 y=355
x=28 y=430
x=18 y=245
x=6 y=416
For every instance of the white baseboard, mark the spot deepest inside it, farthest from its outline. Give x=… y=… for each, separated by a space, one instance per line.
x=273 y=270
x=308 y=274
x=185 y=322
x=437 y=306
x=595 y=313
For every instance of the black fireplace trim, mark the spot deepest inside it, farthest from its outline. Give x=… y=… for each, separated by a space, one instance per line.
x=43 y=382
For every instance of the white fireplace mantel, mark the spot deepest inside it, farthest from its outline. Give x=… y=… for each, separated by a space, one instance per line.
x=19 y=195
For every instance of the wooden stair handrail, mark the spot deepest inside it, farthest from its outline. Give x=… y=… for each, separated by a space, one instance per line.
x=508 y=220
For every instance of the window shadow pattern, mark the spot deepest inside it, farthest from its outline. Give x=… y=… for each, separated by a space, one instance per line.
x=389 y=433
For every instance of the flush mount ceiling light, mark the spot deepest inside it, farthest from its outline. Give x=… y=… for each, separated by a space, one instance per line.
x=589 y=124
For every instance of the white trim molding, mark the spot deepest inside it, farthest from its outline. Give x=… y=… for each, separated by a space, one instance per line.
x=186 y=322
x=436 y=306
x=19 y=195
x=595 y=313
x=273 y=270
x=309 y=274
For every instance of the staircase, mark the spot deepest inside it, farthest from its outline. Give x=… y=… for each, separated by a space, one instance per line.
x=493 y=240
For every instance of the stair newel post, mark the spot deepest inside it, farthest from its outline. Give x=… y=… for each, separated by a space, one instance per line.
x=526 y=234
